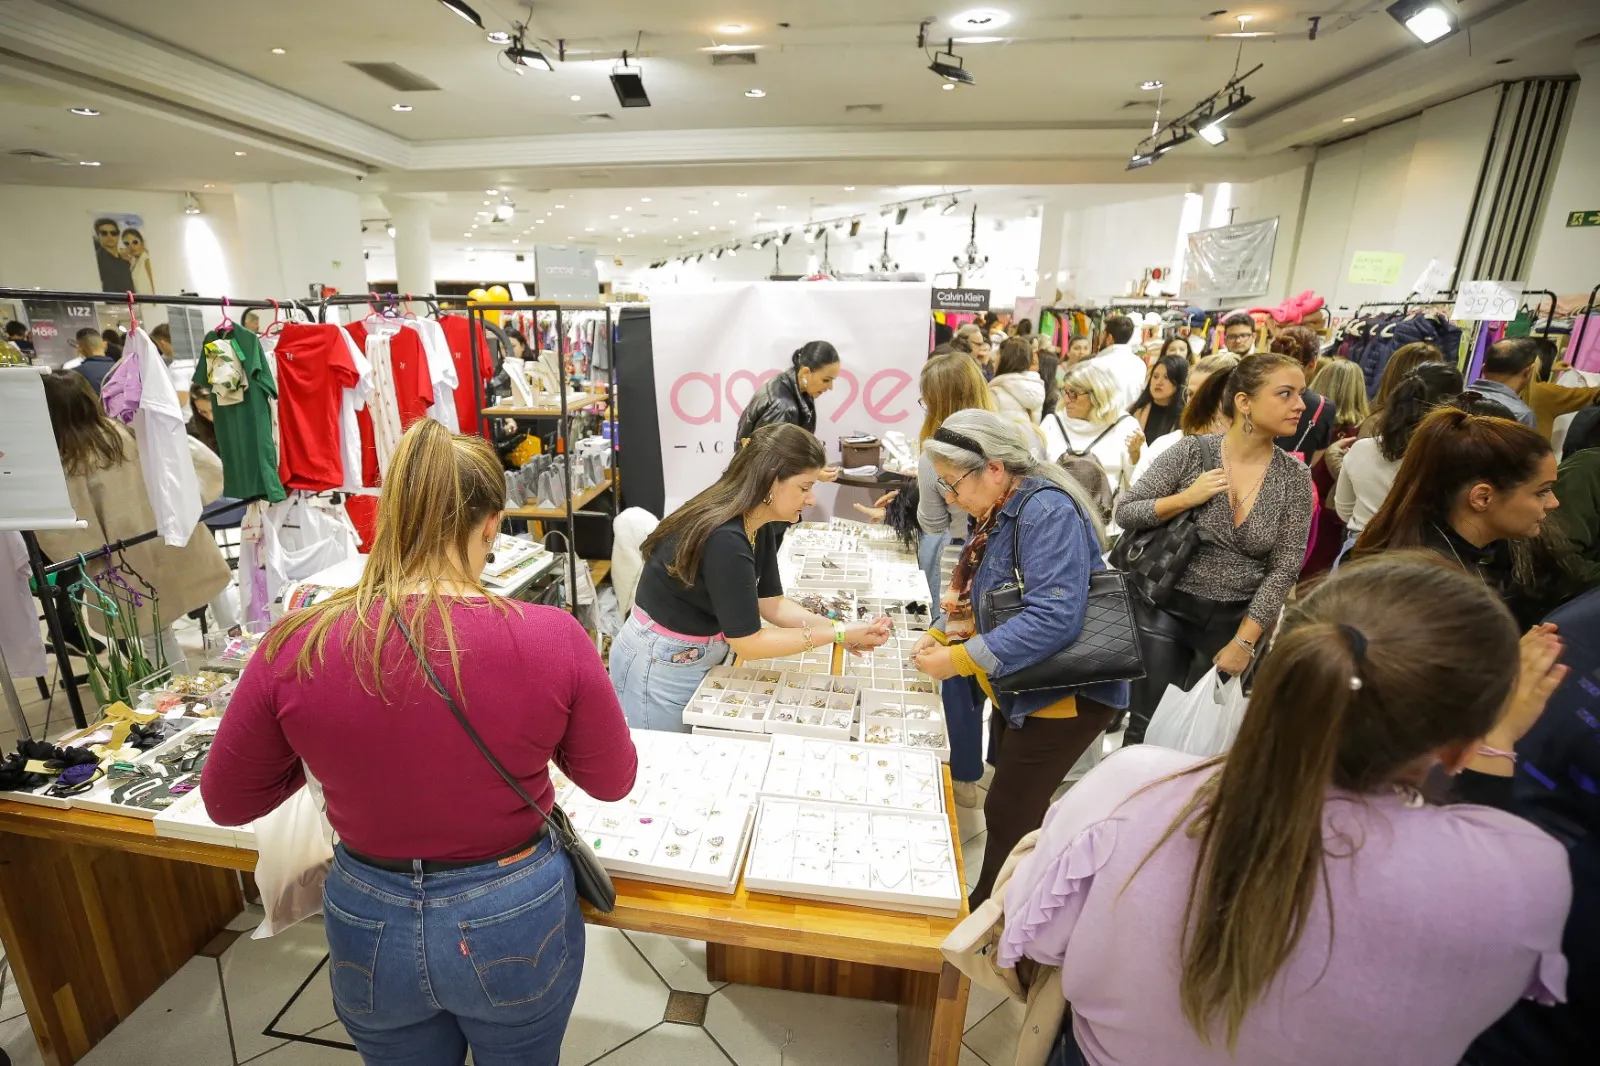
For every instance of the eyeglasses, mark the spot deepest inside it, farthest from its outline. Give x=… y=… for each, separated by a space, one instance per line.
x=949 y=488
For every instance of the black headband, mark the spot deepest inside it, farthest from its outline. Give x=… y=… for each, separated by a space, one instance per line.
x=945 y=435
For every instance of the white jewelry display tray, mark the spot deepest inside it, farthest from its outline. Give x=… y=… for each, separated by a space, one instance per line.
x=897 y=608
x=734 y=698
x=817 y=660
x=794 y=709
x=98 y=798
x=890 y=667
x=834 y=570
x=899 y=580
x=887 y=720
x=187 y=820
x=705 y=785
x=869 y=775
x=840 y=853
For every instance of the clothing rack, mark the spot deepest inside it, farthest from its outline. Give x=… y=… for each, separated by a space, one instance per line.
x=379 y=301
x=572 y=509
x=1588 y=308
x=1448 y=297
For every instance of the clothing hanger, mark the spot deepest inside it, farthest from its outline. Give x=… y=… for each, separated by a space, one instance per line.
x=133 y=319
x=277 y=323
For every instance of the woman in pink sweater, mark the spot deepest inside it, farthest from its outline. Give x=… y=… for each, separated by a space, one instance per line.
x=451 y=913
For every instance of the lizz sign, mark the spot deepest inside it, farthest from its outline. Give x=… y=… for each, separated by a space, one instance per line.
x=700 y=399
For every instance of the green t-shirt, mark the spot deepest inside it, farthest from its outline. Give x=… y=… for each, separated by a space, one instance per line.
x=244 y=430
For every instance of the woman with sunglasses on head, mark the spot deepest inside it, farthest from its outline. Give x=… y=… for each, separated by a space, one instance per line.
x=1253 y=505
x=1298 y=901
x=710 y=580
x=986 y=469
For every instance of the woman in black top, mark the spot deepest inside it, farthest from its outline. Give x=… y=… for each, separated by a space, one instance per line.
x=711 y=578
x=792 y=396
x=1166 y=390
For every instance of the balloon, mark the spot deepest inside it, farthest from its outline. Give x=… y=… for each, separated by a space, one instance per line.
x=487 y=296
x=499 y=294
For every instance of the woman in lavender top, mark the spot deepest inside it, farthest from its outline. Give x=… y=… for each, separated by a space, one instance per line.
x=1296 y=902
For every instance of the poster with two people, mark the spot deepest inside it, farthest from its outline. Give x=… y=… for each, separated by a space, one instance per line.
x=121 y=253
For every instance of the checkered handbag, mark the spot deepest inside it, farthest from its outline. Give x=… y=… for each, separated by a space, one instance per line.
x=1154 y=559
x=1107 y=645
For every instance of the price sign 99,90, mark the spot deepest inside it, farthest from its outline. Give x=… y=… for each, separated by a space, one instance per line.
x=1487 y=301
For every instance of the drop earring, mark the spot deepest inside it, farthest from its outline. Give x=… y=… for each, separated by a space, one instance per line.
x=768 y=500
x=1249 y=426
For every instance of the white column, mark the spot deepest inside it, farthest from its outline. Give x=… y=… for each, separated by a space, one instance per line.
x=1052 y=224
x=413 y=242
x=1566 y=257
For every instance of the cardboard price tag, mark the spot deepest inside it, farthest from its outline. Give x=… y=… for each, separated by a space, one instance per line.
x=1487 y=301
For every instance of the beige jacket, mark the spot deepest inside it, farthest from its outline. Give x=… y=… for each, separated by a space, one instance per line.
x=114 y=504
x=970 y=949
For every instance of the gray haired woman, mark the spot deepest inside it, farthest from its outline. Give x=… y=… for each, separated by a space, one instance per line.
x=986 y=469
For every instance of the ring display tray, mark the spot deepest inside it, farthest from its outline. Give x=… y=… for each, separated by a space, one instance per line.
x=904 y=719
x=863 y=774
x=815 y=705
x=908 y=615
x=891 y=667
x=834 y=570
x=895 y=860
x=734 y=698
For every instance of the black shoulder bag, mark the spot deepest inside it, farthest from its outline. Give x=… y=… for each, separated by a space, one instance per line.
x=1107 y=647
x=589 y=877
x=1155 y=558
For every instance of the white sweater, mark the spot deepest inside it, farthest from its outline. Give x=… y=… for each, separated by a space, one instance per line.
x=1364 y=482
x=1019 y=398
x=1111 y=450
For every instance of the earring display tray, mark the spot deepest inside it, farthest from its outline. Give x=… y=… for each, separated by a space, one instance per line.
x=908 y=615
x=834 y=570
x=809 y=539
x=838 y=604
x=815 y=705
x=890 y=667
x=899 y=580
x=687 y=820
x=186 y=819
x=166 y=774
x=903 y=861
x=818 y=660
x=862 y=774
x=904 y=719
x=733 y=697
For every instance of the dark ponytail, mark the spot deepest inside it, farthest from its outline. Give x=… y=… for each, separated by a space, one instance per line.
x=1216 y=396
x=814 y=355
x=1429 y=385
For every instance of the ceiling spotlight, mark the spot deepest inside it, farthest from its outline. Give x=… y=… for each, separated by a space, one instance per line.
x=504 y=210
x=524 y=56
x=811 y=236
x=486 y=203
x=755 y=94
x=927 y=205
x=466 y=234
x=1348 y=118
x=560 y=207
x=948 y=87
x=499 y=37
x=574 y=98
x=1213 y=134
x=855 y=227
x=191 y=206
x=1150 y=86
x=1141 y=158
x=900 y=215
x=949 y=66
x=786 y=236
x=1428 y=20
x=628 y=83
x=644 y=199
x=1236 y=100
x=463 y=9
x=88 y=162
x=733 y=28
x=588 y=229
x=278 y=51
x=241 y=153
x=86 y=112
x=949 y=207
x=717 y=254
x=491 y=192
x=389 y=229
x=401 y=107
x=734 y=250
x=208 y=185
x=979 y=18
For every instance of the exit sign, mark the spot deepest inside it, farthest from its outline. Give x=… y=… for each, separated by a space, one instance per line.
x=1583 y=218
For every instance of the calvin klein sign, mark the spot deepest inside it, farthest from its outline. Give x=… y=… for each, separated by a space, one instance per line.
x=960 y=299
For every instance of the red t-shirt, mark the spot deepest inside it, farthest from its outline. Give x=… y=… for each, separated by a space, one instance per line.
x=457 y=334
x=314 y=368
x=412 y=388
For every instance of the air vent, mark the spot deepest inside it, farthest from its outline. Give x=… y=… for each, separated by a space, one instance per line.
x=396 y=77
x=862 y=109
x=1138 y=105
x=733 y=59
x=34 y=155
x=596 y=117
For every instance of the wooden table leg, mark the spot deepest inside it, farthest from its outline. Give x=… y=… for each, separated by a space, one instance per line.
x=932 y=1012
x=91 y=932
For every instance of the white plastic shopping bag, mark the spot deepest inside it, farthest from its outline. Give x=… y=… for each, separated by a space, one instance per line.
x=1202 y=721
x=295 y=852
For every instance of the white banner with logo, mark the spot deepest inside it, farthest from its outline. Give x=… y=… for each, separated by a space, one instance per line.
x=1229 y=261
x=715 y=345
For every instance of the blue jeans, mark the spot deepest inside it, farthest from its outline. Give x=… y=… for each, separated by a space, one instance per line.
x=656 y=675
x=930 y=556
x=963 y=716
x=425 y=965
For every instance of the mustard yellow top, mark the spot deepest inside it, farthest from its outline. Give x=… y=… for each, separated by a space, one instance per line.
x=1063 y=708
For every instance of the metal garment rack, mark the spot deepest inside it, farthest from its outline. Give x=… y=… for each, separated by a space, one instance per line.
x=568 y=514
x=1449 y=295
x=41 y=570
x=1579 y=328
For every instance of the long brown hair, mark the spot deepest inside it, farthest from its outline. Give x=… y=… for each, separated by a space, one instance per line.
x=951 y=383
x=1199 y=412
x=1405 y=359
x=1450 y=451
x=774 y=453
x=85 y=437
x=1386 y=661
x=440 y=490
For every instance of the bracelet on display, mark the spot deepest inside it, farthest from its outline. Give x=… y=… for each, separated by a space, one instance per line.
x=838 y=632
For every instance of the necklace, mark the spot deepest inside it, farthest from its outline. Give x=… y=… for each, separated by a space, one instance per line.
x=1234 y=498
x=1459 y=561
x=750 y=533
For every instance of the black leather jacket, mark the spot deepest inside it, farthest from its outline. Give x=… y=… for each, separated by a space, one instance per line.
x=779 y=400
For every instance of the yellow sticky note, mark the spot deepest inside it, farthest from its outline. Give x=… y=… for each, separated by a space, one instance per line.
x=37 y=766
x=1376 y=268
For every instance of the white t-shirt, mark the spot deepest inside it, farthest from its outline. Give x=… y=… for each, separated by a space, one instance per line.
x=1364 y=482
x=1129 y=370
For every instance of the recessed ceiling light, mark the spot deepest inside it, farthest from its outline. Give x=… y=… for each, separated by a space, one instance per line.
x=491 y=192
x=574 y=98
x=716 y=203
x=613 y=217
x=755 y=94
x=1242 y=19
x=209 y=185
x=694 y=211
x=674 y=218
x=486 y=203
x=86 y=112
x=277 y=51
x=466 y=234
x=781 y=207
x=401 y=107
x=697 y=233
x=516 y=240
x=1150 y=86
x=561 y=207
x=712 y=228
x=538 y=221
x=241 y=153
x=733 y=222
x=979 y=18
x=849 y=188
x=499 y=37
x=733 y=28
x=948 y=87
x=88 y=162
x=470 y=248
x=644 y=199
x=1348 y=118
x=588 y=229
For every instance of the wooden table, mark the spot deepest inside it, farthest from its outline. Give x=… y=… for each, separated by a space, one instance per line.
x=96 y=912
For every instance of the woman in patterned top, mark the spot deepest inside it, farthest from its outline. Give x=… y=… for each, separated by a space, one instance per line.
x=1253 y=503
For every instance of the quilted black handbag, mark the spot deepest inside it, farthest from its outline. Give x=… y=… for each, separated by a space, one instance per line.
x=1155 y=558
x=1107 y=647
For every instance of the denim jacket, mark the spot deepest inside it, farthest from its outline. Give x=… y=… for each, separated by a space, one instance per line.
x=1059 y=550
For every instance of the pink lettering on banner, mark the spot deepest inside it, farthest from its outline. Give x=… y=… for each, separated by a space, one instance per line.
x=878 y=399
x=714 y=413
x=756 y=382
x=849 y=380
